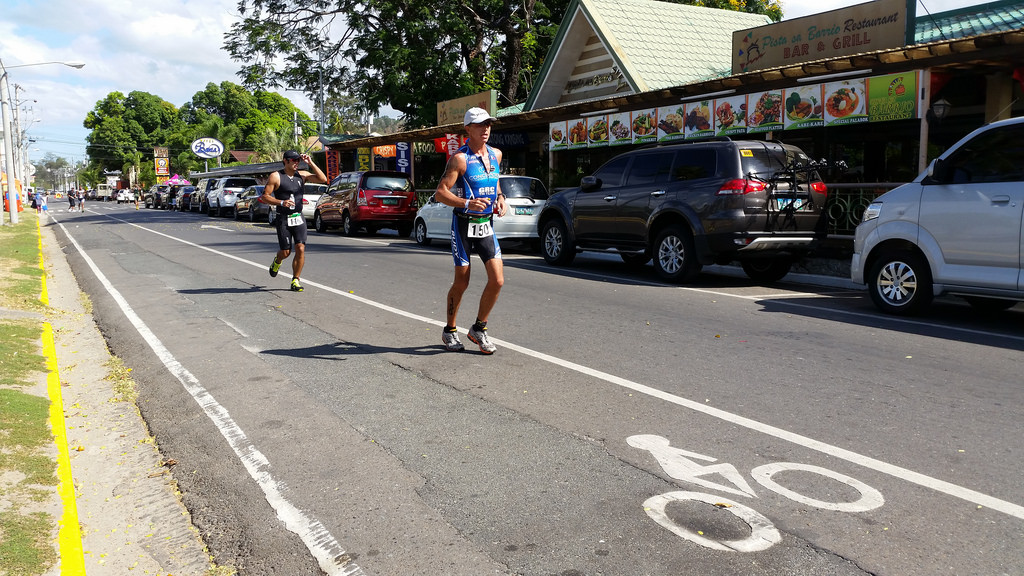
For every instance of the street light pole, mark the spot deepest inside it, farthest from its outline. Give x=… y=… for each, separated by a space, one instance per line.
x=5 y=117
x=5 y=104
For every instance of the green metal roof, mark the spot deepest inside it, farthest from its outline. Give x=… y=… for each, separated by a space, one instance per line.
x=667 y=44
x=1001 y=16
x=655 y=44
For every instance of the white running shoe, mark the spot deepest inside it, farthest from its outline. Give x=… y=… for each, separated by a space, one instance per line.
x=452 y=342
x=479 y=337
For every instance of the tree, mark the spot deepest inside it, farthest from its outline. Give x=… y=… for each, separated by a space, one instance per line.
x=410 y=54
x=472 y=45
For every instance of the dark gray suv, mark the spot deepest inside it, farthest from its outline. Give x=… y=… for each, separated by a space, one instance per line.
x=693 y=204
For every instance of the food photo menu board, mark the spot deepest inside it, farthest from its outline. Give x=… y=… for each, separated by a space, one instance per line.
x=698 y=122
x=731 y=115
x=845 y=102
x=645 y=125
x=597 y=130
x=875 y=99
x=557 y=135
x=670 y=123
x=619 y=129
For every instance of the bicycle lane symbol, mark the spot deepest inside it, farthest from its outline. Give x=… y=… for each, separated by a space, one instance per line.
x=683 y=465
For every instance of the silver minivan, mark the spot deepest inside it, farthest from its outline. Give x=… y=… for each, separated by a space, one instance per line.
x=956 y=229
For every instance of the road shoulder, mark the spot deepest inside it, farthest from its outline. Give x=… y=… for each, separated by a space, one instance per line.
x=131 y=517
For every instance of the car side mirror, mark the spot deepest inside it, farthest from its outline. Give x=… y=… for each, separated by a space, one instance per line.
x=588 y=183
x=938 y=171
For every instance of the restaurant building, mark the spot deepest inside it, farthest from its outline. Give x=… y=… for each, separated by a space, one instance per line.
x=874 y=85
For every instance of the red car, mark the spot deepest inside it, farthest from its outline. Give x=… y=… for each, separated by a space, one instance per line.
x=367 y=200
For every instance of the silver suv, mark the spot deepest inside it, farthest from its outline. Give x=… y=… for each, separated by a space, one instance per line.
x=222 y=197
x=956 y=229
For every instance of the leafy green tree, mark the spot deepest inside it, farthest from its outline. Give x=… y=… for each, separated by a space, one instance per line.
x=407 y=53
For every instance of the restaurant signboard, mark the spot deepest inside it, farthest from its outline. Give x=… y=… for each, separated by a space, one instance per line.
x=877 y=25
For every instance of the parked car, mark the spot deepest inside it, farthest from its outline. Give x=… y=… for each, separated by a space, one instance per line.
x=151 y=198
x=249 y=206
x=184 y=200
x=956 y=229
x=221 y=197
x=525 y=197
x=200 y=196
x=311 y=193
x=367 y=200
x=125 y=195
x=170 y=197
x=692 y=204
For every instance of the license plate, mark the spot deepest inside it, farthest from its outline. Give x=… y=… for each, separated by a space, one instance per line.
x=390 y=201
x=784 y=203
x=524 y=210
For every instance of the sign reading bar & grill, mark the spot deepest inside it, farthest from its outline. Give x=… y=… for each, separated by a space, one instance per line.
x=867 y=27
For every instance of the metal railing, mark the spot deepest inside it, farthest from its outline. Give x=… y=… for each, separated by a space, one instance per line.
x=846 y=203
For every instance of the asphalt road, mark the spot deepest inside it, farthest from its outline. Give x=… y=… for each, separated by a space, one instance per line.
x=623 y=427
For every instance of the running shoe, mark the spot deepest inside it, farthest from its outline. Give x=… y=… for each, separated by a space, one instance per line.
x=479 y=337
x=452 y=342
x=296 y=287
x=274 y=268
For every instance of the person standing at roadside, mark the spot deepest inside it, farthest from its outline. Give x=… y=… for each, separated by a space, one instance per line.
x=470 y=186
x=136 y=194
x=284 y=190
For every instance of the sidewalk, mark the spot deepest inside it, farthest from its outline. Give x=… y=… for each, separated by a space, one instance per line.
x=130 y=517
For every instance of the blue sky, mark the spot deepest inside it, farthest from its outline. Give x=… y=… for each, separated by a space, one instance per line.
x=170 y=48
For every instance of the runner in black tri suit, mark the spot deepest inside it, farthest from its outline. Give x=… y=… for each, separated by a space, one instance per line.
x=284 y=190
x=470 y=186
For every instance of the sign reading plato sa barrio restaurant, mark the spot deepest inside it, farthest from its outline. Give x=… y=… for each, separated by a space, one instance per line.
x=861 y=28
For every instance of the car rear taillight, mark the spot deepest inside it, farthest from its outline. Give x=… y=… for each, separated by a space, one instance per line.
x=361 y=198
x=819 y=187
x=740 y=186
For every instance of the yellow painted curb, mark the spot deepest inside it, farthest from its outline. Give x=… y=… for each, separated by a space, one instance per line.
x=69 y=536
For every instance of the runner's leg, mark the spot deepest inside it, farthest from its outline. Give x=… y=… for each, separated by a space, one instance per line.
x=495 y=280
x=455 y=293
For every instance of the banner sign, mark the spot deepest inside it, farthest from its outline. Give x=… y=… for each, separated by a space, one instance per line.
x=333 y=164
x=160 y=152
x=403 y=157
x=162 y=166
x=875 y=99
x=364 y=160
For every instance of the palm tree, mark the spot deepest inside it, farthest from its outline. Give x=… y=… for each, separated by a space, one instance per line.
x=273 y=144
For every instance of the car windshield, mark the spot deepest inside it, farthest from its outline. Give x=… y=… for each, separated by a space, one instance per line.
x=523 y=187
x=394 y=183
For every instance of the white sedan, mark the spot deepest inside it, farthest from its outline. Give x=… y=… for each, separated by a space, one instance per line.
x=524 y=195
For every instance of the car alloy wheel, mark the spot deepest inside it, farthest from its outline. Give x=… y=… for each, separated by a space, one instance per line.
x=421 y=233
x=556 y=248
x=674 y=255
x=318 y=224
x=346 y=225
x=901 y=283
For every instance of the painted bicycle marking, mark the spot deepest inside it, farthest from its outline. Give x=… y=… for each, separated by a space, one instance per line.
x=683 y=466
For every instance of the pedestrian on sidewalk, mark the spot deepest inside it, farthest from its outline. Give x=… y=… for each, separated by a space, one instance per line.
x=470 y=186
x=284 y=190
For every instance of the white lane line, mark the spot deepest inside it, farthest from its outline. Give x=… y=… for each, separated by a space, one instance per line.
x=317 y=538
x=809 y=443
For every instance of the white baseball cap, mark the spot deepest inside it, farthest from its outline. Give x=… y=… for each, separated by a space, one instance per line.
x=476 y=116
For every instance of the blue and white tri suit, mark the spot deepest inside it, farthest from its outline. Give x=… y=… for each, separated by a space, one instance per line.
x=477 y=182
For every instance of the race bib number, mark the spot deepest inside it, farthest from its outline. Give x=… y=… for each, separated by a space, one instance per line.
x=294 y=219
x=480 y=229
